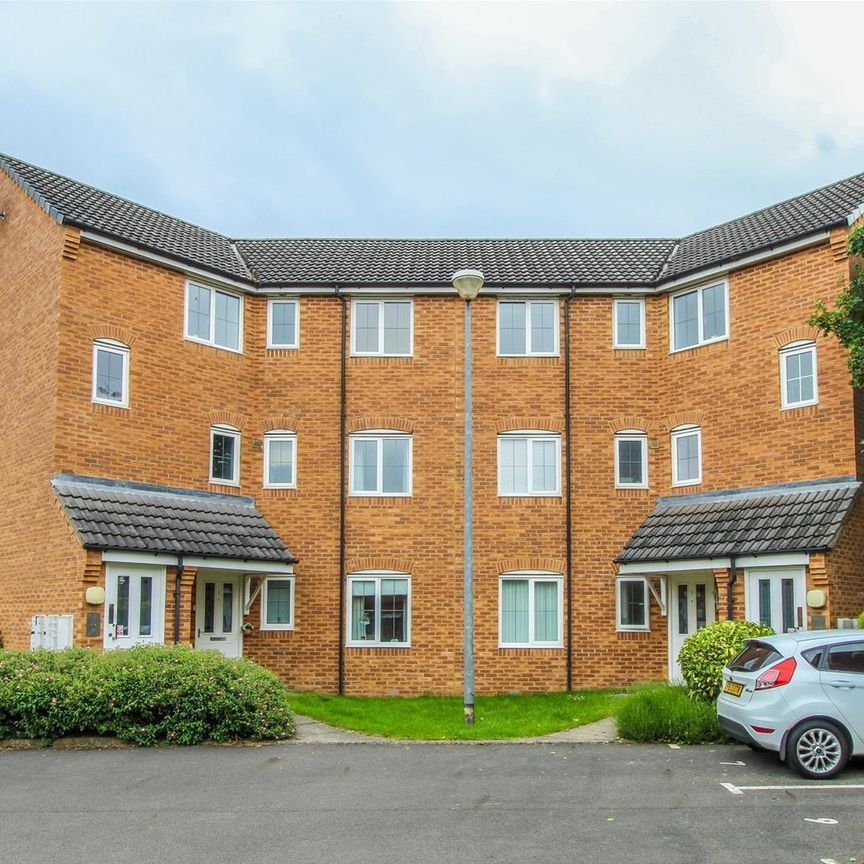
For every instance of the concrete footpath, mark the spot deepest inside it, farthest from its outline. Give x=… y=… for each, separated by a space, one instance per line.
x=311 y=731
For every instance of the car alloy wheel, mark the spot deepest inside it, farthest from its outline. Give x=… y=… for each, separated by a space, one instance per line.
x=818 y=749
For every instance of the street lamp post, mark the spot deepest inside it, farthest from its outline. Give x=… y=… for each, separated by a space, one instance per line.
x=468 y=284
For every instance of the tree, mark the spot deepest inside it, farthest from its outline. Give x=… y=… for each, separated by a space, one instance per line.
x=846 y=319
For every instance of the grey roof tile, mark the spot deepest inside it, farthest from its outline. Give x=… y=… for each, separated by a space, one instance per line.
x=796 y=517
x=425 y=262
x=107 y=514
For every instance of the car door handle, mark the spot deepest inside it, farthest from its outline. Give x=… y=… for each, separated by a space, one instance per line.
x=842 y=685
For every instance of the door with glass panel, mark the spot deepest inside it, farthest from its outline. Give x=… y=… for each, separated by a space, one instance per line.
x=691 y=605
x=217 y=613
x=134 y=606
x=775 y=598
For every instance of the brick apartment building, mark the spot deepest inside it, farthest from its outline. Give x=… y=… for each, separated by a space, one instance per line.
x=659 y=439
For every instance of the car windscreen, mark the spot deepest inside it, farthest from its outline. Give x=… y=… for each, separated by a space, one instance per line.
x=753 y=657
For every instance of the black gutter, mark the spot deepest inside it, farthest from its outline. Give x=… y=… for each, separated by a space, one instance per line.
x=568 y=534
x=178 y=578
x=733 y=578
x=343 y=420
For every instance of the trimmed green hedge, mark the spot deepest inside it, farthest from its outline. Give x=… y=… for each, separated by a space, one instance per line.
x=665 y=713
x=704 y=654
x=148 y=695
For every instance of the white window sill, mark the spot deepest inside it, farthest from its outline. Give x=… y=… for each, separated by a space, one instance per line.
x=282 y=347
x=631 y=485
x=507 y=645
x=679 y=484
x=380 y=495
x=110 y=403
x=532 y=354
x=699 y=344
x=629 y=347
x=279 y=486
x=645 y=629
x=529 y=494
x=213 y=345
x=377 y=354
x=789 y=407
x=377 y=644
x=275 y=628
x=215 y=482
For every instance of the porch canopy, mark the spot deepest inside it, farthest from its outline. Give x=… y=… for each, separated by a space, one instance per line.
x=160 y=520
x=766 y=520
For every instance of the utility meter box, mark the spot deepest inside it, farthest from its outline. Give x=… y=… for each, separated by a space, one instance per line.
x=53 y=632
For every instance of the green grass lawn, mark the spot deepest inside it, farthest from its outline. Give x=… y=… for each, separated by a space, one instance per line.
x=435 y=718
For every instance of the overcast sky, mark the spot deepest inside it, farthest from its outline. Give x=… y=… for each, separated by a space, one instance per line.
x=438 y=119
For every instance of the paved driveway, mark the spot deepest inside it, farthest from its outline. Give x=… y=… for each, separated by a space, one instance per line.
x=422 y=803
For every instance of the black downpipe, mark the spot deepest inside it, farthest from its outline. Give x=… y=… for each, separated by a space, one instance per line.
x=178 y=578
x=342 y=430
x=569 y=497
x=733 y=578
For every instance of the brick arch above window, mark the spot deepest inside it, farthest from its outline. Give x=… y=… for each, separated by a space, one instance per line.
x=643 y=424
x=520 y=565
x=227 y=418
x=359 y=565
x=285 y=422
x=112 y=331
x=545 y=424
x=685 y=418
x=398 y=424
x=802 y=333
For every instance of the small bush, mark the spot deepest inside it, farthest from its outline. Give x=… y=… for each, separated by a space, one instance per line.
x=662 y=712
x=704 y=654
x=861 y=620
x=146 y=695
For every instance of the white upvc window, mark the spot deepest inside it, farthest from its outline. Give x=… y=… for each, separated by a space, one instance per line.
x=380 y=463
x=110 y=373
x=225 y=455
x=283 y=323
x=631 y=459
x=686 y=456
x=382 y=327
x=379 y=609
x=699 y=316
x=277 y=603
x=798 y=381
x=628 y=323
x=527 y=328
x=529 y=463
x=631 y=603
x=530 y=610
x=280 y=459
x=214 y=317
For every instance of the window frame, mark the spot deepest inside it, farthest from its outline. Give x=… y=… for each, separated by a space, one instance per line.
x=380 y=301
x=274 y=577
x=642 y=438
x=377 y=576
x=532 y=577
x=233 y=432
x=271 y=302
x=531 y=435
x=646 y=596
x=112 y=346
x=699 y=290
x=379 y=435
x=642 y=338
x=279 y=435
x=528 y=302
x=211 y=340
x=676 y=434
x=802 y=346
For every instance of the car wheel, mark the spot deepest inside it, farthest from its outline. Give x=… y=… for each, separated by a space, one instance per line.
x=817 y=749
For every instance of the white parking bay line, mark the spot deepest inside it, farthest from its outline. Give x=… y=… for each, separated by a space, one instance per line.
x=740 y=790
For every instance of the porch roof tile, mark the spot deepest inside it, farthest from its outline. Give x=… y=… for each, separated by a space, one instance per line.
x=793 y=517
x=137 y=517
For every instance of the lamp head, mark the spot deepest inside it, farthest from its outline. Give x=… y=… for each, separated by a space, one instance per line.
x=467 y=283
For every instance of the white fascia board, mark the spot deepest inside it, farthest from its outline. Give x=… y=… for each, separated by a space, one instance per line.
x=785 y=559
x=412 y=290
x=119 y=557
x=856 y=214
x=194 y=273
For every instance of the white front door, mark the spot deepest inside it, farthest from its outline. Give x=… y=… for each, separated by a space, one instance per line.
x=134 y=606
x=775 y=598
x=217 y=613
x=690 y=603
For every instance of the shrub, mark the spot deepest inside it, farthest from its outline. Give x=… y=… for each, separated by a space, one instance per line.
x=146 y=695
x=704 y=654
x=861 y=620
x=662 y=712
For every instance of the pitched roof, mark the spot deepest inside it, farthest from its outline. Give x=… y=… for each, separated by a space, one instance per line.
x=585 y=262
x=138 y=517
x=793 y=517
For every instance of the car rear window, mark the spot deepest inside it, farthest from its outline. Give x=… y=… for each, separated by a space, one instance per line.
x=754 y=656
x=814 y=656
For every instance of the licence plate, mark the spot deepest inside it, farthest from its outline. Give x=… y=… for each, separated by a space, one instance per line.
x=733 y=688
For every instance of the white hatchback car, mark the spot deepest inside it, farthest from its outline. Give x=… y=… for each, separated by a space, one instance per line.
x=801 y=695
